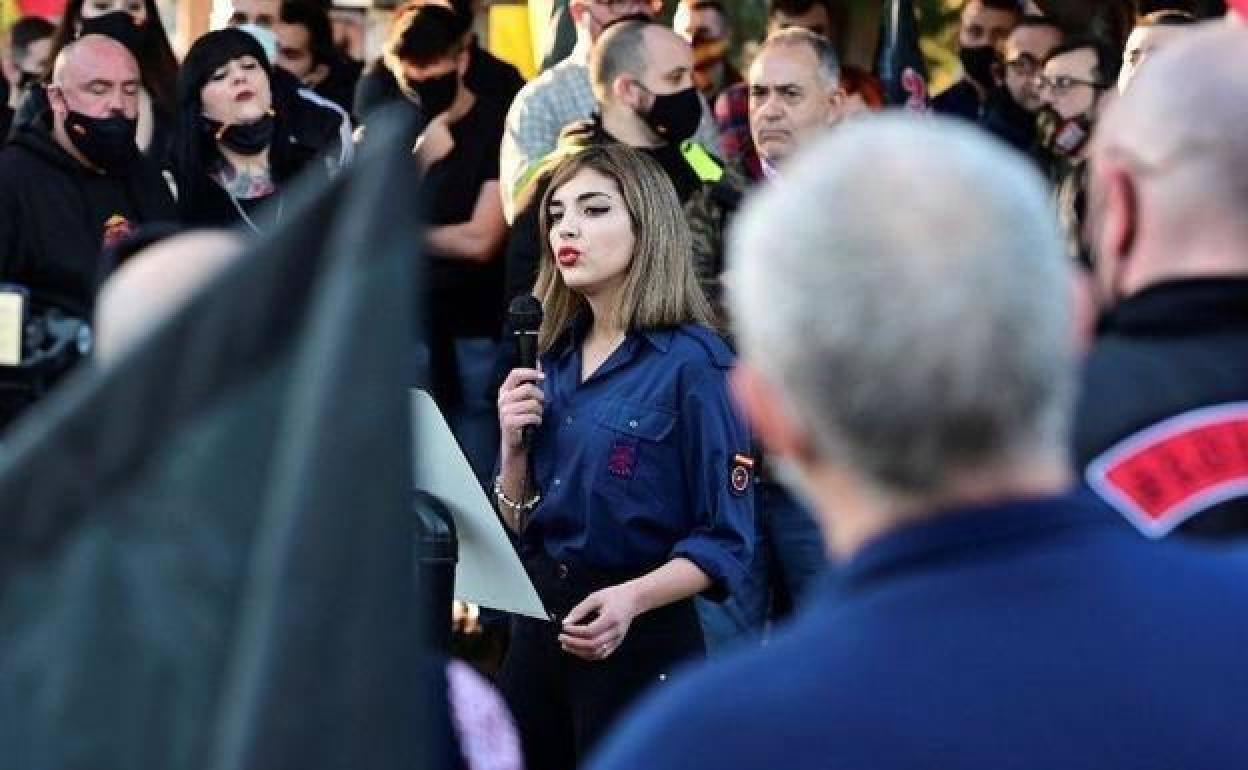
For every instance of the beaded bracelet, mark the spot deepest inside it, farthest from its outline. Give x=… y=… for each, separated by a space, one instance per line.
x=524 y=507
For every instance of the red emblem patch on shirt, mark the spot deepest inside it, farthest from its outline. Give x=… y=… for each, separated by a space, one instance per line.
x=1178 y=468
x=622 y=460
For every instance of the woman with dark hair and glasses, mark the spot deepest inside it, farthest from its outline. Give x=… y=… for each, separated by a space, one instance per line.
x=136 y=25
x=233 y=151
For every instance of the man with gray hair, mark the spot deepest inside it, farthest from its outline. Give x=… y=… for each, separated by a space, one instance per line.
x=919 y=385
x=1162 y=432
x=795 y=93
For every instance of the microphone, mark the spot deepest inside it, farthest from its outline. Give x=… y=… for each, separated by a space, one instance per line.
x=524 y=316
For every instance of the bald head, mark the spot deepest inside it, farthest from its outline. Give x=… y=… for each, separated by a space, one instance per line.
x=644 y=52
x=1169 y=166
x=93 y=55
x=95 y=76
x=153 y=284
x=1193 y=96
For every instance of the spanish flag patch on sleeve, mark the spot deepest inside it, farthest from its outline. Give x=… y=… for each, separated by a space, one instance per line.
x=741 y=474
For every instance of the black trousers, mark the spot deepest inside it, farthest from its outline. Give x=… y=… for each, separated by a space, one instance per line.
x=562 y=704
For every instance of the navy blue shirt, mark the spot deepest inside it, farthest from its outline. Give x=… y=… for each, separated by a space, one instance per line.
x=1029 y=635
x=636 y=464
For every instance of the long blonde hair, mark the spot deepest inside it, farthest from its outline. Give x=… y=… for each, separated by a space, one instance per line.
x=660 y=288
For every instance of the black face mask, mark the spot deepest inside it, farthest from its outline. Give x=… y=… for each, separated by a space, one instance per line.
x=675 y=117
x=1064 y=137
x=108 y=143
x=979 y=63
x=120 y=26
x=436 y=94
x=244 y=138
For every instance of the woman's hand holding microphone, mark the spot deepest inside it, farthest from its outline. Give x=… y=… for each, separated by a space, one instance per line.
x=520 y=405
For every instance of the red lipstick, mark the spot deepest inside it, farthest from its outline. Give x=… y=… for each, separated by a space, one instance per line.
x=568 y=256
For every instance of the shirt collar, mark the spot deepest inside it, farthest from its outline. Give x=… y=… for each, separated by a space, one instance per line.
x=769 y=171
x=659 y=339
x=1182 y=306
x=574 y=335
x=968 y=533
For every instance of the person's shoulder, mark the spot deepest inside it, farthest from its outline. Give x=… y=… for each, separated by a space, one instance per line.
x=758 y=687
x=503 y=72
x=539 y=88
x=701 y=345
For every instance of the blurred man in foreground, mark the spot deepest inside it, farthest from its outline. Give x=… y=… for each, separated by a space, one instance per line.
x=981 y=616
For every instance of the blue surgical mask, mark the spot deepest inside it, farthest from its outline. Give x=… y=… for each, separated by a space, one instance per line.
x=266 y=37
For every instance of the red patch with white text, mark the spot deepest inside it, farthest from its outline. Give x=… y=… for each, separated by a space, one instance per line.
x=1176 y=469
x=623 y=460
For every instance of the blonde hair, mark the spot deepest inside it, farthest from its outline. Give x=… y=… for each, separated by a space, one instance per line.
x=661 y=288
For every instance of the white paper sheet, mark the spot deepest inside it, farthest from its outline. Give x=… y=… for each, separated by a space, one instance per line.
x=489 y=572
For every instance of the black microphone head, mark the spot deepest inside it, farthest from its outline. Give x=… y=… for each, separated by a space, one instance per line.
x=525 y=314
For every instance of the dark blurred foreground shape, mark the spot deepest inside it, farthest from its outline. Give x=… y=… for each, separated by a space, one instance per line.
x=206 y=551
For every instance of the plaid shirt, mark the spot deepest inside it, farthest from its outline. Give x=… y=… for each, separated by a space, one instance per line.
x=560 y=96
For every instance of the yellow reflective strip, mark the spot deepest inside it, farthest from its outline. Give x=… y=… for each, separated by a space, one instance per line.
x=702 y=162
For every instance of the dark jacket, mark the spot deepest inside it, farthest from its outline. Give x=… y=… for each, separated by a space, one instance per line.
x=960 y=99
x=1161 y=429
x=1028 y=635
x=1007 y=120
x=56 y=215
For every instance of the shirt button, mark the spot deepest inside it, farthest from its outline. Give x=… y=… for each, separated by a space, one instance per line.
x=632 y=423
x=562 y=571
x=558 y=482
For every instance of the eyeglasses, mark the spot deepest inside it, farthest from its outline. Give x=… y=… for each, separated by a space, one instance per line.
x=1061 y=85
x=1023 y=65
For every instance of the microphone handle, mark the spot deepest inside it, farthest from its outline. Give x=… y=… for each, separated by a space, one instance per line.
x=526 y=355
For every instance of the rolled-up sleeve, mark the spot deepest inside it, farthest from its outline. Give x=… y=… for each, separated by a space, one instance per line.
x=715 y=444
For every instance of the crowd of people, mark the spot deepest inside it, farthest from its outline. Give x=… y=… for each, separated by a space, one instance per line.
x=947 y=322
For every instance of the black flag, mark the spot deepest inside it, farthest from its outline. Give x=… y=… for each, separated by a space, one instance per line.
x=206 y=551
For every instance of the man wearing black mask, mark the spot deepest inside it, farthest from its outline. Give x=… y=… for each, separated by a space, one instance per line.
x=984 y=26
x=458 y=151
x=1010 y=111
x=641 y=73
x=73 y=188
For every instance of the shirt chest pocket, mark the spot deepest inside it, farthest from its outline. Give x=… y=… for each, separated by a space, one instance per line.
x=638 y=456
